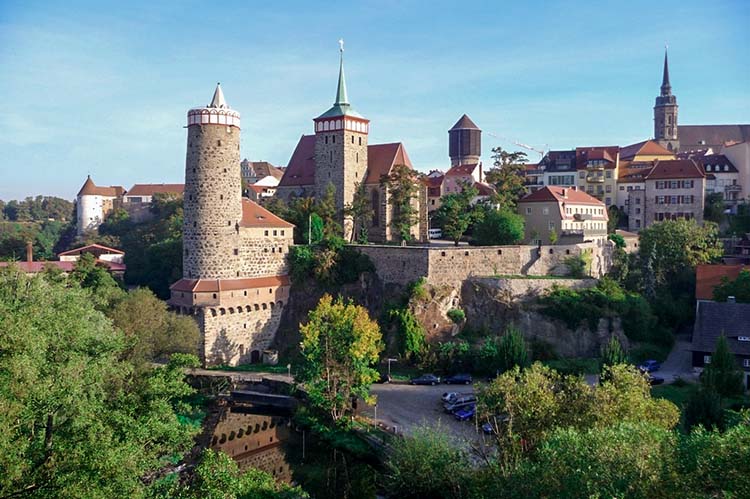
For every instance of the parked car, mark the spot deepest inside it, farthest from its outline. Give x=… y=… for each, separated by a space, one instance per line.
x=449 y=396
x=465 y=412
x=655 y=380
x=458 y=379
x=650 y=366
x=425 y=379
x=459 y=403
x=488 y=428
x=435 y=233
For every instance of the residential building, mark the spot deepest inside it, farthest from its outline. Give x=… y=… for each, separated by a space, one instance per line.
x=559 y=168
x=714 y=319
x=94 y=203
x=260 y=193
x=645 y=151
x=739 y=155
x=137 y=201
x=571 y=215
x=597 y=169
x=721 y=177
x=263 y=172
x=533 y=177
x=434 y=183
x=674 y=189
x=707 y=277
x=110 y=258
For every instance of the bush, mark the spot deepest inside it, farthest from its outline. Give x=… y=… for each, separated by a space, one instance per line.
x=456 y=315
x=417 y=290
x=543 y=350
x=329 y=263
x=411 y=332
x=579 y=266
x=499 y=227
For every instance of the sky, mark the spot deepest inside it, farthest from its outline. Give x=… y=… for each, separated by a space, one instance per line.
x=103 y=88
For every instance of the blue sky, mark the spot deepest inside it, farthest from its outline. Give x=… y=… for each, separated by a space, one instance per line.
x=103 y=87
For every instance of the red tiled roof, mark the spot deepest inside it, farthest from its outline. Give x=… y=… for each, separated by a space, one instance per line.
x=484 y=189
x=254 y=215
x=464 y=122
x=89 y=188
x=91 y=248
x=707 y=277
x=433 y=182
x=264 y=169
x=555 y=193
x=675 y=168
x=151 y=189
x=607 y=153
x=301 y=167
x=217 y=285
x=460 y=170
x=382 y=157
x=648 y=147
x=34 y=267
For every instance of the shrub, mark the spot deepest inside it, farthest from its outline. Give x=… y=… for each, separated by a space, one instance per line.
x=543 y=350
x=498 y=227
x=579 y=266
x=411 y=332
x=417 y=290
x=511 y=351
x=456 y=315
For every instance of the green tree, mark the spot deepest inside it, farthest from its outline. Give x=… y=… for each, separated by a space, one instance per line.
x=427 y=464
x=714 y=207
x=218 y=477
x=339 y=345
x=361 y=212
x=676 y=246
x=91 y=275
x=325 y=207
x=457 y=212
x=499 y=227
x=507 y=177
x=402 y=189
x=739 y=288
x=512 y=350
x=152 y=332
x=77 y=420
x=618 y=240
x=704 y=408
x=722 y=374
x=410 y=332
x=613 y=353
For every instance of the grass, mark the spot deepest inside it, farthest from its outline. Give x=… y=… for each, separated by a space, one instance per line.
x=581 y=365
x=677 y=393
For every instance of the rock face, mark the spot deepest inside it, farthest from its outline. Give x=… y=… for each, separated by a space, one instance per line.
x=493 y=304
x=490 y=305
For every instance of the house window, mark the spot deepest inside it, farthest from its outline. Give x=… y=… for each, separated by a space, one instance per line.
x=551 y=225
x=545 y=211
x=582 y=174
x=274 y=233
x=528 y=210
x=745 y=362
x=706 y=359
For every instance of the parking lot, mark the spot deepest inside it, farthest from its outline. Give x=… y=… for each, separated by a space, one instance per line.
x=405 y=408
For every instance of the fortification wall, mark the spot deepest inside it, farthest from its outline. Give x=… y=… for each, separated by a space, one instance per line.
x=264 y=252
x=451 y=265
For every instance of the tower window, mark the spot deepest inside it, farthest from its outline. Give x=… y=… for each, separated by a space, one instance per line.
x=326 y=139
x=333 y=139
x=195 y=223
x=352 y=139
x=357 y=157
x=229 y=223
x=360 y=141
x=218 y=143
x=221 y=196
x=236 y=251
x=330 y=157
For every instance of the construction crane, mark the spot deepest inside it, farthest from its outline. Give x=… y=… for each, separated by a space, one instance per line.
x=519 y=144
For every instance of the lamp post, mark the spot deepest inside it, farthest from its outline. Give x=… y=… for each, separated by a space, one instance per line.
x=289 y=370
x=389 y=366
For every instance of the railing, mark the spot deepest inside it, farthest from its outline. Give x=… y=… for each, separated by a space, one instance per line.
x=732 y=188
x=595 y=178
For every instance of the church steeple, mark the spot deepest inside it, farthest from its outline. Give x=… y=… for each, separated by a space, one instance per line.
x=341 y=97
x=666 y=88
x=665 y=113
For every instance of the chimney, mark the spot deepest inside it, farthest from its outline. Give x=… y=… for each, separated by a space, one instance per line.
x=29 y=252
x=731 y=299
x=565 y=193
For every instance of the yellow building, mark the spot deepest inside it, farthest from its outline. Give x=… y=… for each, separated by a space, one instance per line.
x=597 y=169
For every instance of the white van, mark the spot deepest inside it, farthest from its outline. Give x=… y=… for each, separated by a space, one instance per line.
x=435 y=233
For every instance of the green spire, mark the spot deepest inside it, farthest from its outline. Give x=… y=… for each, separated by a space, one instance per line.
x=341 y=98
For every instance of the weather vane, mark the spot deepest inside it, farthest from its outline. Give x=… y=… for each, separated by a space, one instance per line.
x=341 y=44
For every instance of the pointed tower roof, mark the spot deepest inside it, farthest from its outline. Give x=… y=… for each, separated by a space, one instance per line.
x=89 y=187
x=218 y=100
x=666 y=88
x=465 y=123
x=341 y=106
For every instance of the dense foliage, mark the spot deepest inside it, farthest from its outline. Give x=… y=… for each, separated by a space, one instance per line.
x=78 y=419
x=507 y=178
x=330 y=263
x=498 y=227
x=411 y=332
x=458 y=212
x=402 y=185
x=339 y=345
x=37 y=209
x=739 y=288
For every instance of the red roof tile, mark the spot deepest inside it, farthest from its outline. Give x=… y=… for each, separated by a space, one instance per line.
x=301 y=167
x=151 y=189
x=461 y=170
x=382 y=157
x=254 y=215
x=91 y=248
x=34 y=267
x=707 y=277
x=89 y=188
x=607 y=153
x=484 y=189
x=647 y=147
x=217 y=285
x=555 y=193
x=675 y=168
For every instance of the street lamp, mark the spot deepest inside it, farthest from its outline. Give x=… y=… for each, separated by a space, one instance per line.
x=389 y=366
x=289 y=369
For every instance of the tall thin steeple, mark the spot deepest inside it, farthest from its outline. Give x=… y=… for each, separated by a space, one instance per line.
x=341 y=97
x=666 y=88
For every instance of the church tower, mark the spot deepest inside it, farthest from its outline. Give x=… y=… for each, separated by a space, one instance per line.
x=341 y=150
x=665 y=113
x=464 y=142
x=213 y=192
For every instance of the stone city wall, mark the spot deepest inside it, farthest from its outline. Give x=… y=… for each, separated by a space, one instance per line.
x=451 y=265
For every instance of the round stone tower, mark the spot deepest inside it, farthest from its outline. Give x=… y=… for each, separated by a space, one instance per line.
x=213 y=192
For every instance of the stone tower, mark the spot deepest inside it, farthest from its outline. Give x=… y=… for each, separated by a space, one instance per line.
x=665 y=113
x=340 y=150
x=213 y=192
x=464 y=142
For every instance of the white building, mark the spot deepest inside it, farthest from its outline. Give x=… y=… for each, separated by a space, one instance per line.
x=94 y=203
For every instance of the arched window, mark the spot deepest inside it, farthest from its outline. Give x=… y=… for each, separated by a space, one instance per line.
x=375 y=208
